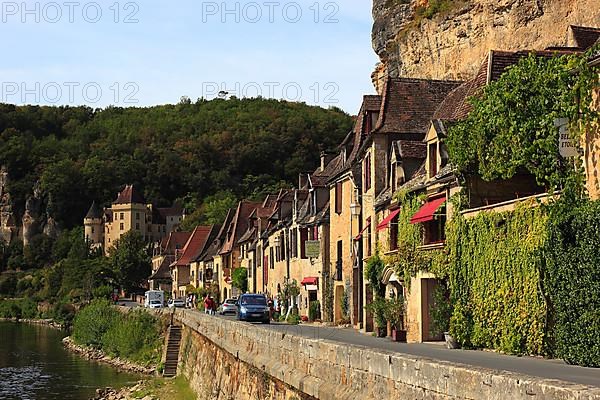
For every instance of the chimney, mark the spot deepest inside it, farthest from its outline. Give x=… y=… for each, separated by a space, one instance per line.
x=325 y=159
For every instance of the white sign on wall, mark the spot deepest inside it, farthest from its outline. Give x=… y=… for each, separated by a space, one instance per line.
x=566 y=147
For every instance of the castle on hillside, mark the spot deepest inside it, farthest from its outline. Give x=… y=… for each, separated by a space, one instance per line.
x=129 y=212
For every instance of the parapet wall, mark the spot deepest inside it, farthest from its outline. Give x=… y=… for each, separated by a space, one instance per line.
x=224 y=359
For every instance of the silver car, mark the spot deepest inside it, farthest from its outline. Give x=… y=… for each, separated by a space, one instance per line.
x=228 y=307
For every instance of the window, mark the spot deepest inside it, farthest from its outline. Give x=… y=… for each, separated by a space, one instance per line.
x=434 y=231
x=122 y=215
x=282 y=246
x=338 y=197
x=393 y=179
x=294 y=242
x=271 y=258
x=121 y=226
x=92 y=229
x=394 y=233
x=368 y=237
x=137 y=215
x=367 y=172
x=303 y=239
x=433 y=160
x=137 y=226
x=338 y=263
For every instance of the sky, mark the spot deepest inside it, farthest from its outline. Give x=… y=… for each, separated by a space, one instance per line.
x=134 y=53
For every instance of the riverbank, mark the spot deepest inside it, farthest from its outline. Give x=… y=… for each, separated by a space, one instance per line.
x=47 y=322
x=99 y=356
x=153 y=389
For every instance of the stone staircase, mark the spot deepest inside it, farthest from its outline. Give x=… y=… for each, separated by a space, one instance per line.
x=172 y=354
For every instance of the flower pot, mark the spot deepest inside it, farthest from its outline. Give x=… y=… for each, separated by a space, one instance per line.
x=451 y=343
x=398 y=335
x=381 y=331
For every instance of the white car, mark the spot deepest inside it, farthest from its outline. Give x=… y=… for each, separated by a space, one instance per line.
x=155 y=304
x=177 y=303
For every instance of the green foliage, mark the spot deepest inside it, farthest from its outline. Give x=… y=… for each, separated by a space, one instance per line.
x=93 y=321
x=345 y=305
x=201 y=148
x=441 y=310
x=129 y=260
x=8 y=284
x=213 y=210
x=394 y=312
x=571 y=277
x=494 y=279
x=511 y=127
x=293 y=319
x=136 y=336
x=21 y=308
x=314 y=310
x=373 y=272
x=239 y=279
x=379 y=308
x=410 y=259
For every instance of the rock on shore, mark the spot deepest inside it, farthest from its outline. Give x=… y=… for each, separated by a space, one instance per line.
x=122 y=394
x=99 y=355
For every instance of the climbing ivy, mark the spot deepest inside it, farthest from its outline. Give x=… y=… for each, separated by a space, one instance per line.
x=410 y=259
x=511 y=127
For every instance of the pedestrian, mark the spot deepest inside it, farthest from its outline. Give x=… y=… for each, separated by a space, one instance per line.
x=207 y=304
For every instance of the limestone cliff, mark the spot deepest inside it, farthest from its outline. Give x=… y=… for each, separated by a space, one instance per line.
x=449 y=39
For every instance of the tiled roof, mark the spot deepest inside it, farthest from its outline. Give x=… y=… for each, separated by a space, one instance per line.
x=249 y=234
x=159 y=215
x=411 y=149
x=320 y=178
x=456 y=105
x=208 y=243
x=194 y=245
x=585 y=37
x=409 y=104
x=176 y=241
x=129 y=195
x=239 y=224
x=163 y=272
x=94 y=212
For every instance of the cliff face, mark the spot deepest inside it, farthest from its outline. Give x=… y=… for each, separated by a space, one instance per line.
x=454 y=41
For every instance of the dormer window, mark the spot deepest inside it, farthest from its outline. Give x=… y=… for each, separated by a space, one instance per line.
x=432 y=156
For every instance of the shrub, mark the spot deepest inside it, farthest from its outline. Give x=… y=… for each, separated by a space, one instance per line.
x=571 y=282
x=136 y=337
x=314 y=310
x=93 y=321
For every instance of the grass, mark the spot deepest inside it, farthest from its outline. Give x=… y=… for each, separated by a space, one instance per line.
x=172 y=389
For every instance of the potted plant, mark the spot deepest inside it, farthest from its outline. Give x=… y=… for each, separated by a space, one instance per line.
x=395 y=315
x=378 y=308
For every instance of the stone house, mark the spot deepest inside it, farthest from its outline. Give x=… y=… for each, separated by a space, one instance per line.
x=344 y=217
x=198 y=278
x=129 y=212
x=181 y=267
x=164 y=255
x=230 y=252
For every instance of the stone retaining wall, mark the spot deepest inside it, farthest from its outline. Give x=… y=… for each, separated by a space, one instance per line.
x=224 y=359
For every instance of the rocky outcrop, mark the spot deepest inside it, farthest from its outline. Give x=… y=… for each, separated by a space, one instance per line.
x=454 y=41
x=8 y=229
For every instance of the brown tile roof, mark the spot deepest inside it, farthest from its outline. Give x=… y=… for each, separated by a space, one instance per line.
x=163 y=272
x=585 y=37
x=409 y=104
x=456 y=105
x=129 y=195
x=239 y=224
x=320 y=178
x=194 y=245
x=208 y=243
x=176 y=241
x=410 y=149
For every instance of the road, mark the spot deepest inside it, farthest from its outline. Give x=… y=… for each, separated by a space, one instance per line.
x=533 y=366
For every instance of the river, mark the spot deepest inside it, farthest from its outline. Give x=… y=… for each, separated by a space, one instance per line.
x=35 y=366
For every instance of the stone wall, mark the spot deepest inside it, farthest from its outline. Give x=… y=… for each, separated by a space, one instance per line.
x=224 y=359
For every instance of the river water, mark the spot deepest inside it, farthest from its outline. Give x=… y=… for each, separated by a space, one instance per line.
x=35 y=366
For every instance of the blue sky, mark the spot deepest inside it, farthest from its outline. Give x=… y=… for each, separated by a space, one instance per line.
x=154 y=52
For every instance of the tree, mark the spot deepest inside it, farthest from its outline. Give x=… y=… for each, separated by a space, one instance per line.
x=239 y=279
x=129 y=260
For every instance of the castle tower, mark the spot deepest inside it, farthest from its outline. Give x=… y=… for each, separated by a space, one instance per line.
x=129 y=213
x=93 y=226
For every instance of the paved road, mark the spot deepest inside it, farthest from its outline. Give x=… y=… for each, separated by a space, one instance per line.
x=549 y=369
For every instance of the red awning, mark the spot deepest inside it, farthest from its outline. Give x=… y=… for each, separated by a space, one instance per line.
x=386 y=221
x=309 y=281
x=359 y=236
x=428 y=210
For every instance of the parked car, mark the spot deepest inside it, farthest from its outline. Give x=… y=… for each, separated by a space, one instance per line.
x=154 y=296
x=228 y=307
x=155 y=304
x=253 y=307
x=176 y=303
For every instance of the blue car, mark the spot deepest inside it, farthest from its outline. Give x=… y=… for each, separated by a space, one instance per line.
x=253 y=307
